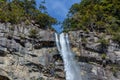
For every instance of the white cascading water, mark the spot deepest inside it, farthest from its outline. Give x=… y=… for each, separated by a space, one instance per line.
x=71 y=67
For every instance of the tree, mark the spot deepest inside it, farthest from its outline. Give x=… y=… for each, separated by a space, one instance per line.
x=94 y=14
x=42 y=7
x=17 y=11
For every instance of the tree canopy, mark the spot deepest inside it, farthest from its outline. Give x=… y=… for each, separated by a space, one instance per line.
x=17 y=11
x=95 y=15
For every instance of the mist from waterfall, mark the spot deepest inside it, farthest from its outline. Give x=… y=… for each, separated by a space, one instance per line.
x=71 y=67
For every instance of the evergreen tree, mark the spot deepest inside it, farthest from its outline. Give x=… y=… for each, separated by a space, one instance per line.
x=17 y=11
x=95 y=13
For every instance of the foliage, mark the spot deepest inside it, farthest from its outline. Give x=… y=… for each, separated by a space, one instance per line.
x=17 y=11
x=104 y=44
x=33 y=33
x=84 y=40
x=114 y=69
x=94 y=15
x=44 y=20
x=103 y=56
x=116 y=38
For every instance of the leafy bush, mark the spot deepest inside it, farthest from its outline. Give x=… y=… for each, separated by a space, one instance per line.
x=103 y=56
x=116 y=38
x=104 y=44
x=33 y=33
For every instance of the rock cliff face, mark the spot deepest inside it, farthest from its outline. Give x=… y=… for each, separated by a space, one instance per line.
x=26 y=58
x=89 y=45
x=105 y=61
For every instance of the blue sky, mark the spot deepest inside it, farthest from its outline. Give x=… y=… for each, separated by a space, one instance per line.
x=58 y=9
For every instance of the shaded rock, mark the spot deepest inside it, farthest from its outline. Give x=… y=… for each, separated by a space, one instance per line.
x=4 y=78
x=21 y=42
x=3 y=53
x=118 y=74
x=42 y=44
x=1 y=60
x=59 y=69
x=95 y=47
x=60 y=75
x=57 y=57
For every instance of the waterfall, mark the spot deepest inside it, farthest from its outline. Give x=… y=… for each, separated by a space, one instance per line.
x=71 y=67
x=57 y=41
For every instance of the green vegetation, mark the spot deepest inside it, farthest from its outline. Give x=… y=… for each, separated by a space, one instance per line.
x=115 y=69
x=104 y=42
x=17 y=11
x=84 y=40
x=116 y=37
x=103 y=56
x=33 y=33
x=95 y=15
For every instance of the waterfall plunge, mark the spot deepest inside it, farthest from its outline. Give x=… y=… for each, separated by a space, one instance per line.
x=71 y=67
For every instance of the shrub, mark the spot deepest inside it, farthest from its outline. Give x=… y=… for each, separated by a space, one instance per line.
x=33 y=33
x=116 y=37
x=103 y=56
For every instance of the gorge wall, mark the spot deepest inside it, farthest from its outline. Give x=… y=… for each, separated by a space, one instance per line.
x=23 y=57
x=101 y=58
